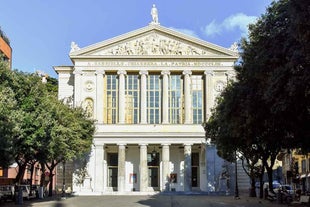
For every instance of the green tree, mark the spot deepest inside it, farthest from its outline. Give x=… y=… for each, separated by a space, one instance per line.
x=267 y=109
x=36 y=126
x=68 y=133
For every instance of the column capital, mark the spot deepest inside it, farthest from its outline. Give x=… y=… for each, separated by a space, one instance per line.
x=209 y=73
x=143 y=144
x=97 y=146
x=187 y=72
x=121 y=144
x=165 y=72
x=77 y=72
x=121 y=72
x=100 y=72
x=230 y=75
x=143 y=72
x=166 y=144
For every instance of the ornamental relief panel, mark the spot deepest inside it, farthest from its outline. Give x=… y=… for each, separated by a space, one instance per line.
x=89 y=86
x=155 y=44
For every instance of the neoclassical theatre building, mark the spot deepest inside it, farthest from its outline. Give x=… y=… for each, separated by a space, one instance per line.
x=150 y=91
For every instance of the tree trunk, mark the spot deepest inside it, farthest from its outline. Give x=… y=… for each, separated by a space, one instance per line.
x=50 y=187
x=42 y=179
x=252 y=190
x=270 y=179
x=21 y=171
x=31 y=175
x=261 y=183
x=51 y=168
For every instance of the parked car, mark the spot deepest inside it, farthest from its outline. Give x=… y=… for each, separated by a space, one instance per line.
x=26 y=191
x=7 y=192
x=287 y=188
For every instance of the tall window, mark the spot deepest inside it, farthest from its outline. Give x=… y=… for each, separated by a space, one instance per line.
x=175 y=99
x=153 y=99
x=197 y=99
x=111 y=99
x=132 y=99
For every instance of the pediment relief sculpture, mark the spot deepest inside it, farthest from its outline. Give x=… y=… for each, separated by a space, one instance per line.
x=154 y=44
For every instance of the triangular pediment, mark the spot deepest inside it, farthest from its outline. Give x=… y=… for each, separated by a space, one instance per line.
x=153 y=41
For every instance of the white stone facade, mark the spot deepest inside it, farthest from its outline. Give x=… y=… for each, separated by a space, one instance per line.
x=146 y=145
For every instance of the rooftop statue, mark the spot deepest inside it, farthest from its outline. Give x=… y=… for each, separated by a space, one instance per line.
x=74 y=47
x=154 y=14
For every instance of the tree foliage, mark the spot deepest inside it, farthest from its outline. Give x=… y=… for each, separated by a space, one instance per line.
x=267 y=108
x=36 y=126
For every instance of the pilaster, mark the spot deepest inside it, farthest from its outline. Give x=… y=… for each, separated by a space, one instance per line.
x=99 y=96
x=77 y=87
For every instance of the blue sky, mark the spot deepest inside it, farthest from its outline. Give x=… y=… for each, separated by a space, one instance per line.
x=41 y=31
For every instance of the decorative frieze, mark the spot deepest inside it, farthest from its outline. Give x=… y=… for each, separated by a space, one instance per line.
x=156 y=44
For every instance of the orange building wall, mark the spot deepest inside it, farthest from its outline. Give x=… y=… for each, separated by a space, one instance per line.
x=5 y=48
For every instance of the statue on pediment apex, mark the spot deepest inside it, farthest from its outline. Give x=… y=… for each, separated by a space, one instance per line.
x=154 y=13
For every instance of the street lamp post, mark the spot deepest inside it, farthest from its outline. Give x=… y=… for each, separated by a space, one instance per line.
x=236 y=178
x=63 y=179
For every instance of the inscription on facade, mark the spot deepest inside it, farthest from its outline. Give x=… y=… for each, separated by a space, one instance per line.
x=156 y=64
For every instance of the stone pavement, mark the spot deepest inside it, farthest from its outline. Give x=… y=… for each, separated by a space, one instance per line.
x=158 y=200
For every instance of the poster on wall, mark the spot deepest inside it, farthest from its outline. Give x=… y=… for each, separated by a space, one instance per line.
x=133 y=178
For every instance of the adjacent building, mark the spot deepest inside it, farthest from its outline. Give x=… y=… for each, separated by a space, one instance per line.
x=150 y=91
x=5 y=48
x=296 y=169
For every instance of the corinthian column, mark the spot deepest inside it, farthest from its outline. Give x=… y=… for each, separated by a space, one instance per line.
x=99 y=96
x=165 y=106
x=121 y=97
x=188 y=99
x=143 y=91
x=209 y=94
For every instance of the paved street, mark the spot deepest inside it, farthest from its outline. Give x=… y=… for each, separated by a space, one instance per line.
x=151 y=201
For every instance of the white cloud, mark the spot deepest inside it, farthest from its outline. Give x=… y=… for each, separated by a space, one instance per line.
x=212 y=29
x=186 y=31
x=237 y=21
